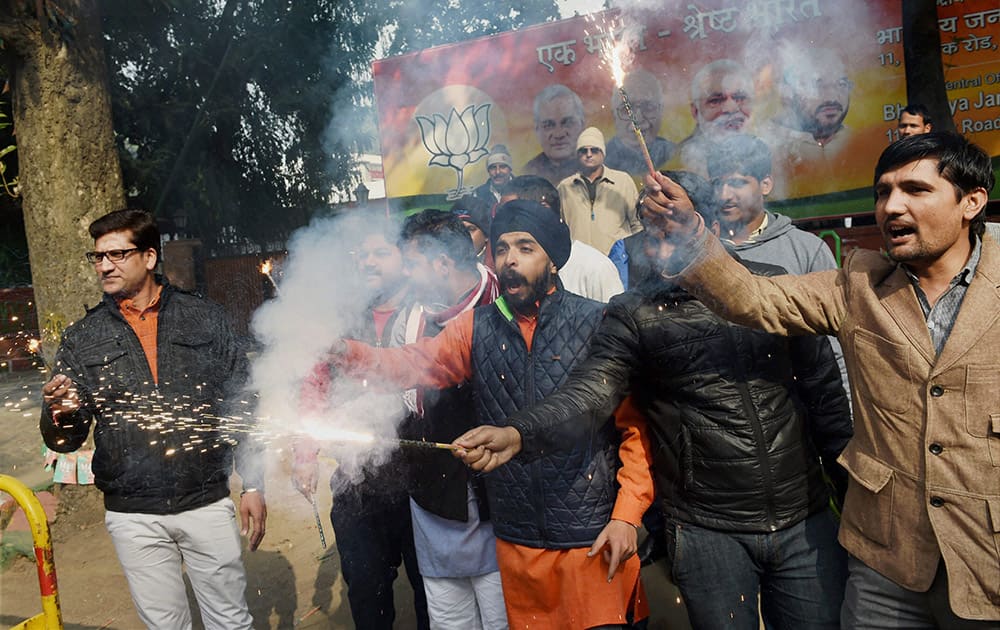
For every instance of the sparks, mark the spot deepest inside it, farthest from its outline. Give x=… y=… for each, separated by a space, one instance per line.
x=614 y=53
x=265 y=268
x=35 y=348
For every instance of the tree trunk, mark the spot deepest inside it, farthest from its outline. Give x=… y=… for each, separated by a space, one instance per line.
x=922 y=55
x=69 y=170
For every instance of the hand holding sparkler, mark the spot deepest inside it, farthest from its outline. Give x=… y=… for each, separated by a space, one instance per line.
x=667 y=204
x=61 y=396
x=486 y=448
x=253 y=516
x=305 y=476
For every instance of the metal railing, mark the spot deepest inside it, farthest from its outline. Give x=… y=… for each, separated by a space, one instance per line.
x=51 y=616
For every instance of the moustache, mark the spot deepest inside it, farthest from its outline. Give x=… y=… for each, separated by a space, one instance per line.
x=832 y=104
x=729 y=121
x=509 y=277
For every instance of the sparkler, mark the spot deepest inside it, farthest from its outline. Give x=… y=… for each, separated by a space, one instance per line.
x=265 y=268
x=613 y=56
x=319 y=522
x=35 y=348
x=421 y=444
x=326 y=434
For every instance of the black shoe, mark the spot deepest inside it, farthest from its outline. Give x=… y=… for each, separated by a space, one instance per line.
x=651 y=549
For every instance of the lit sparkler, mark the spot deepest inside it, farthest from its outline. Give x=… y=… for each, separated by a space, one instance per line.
x=265 y=268
x=35 y=348
x=613 y=57
x=325 y=434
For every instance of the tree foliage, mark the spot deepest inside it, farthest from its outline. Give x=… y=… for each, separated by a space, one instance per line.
x=220 y=110
x=243 y=117
x=14 y=269
x=418 y=25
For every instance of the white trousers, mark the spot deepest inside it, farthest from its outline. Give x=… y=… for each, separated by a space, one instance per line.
x=151 y=549
x=474 y=603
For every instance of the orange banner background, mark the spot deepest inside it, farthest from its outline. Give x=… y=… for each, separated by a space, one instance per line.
x=506 y=71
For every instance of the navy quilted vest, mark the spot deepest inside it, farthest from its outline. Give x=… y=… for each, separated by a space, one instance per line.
x=561 y=499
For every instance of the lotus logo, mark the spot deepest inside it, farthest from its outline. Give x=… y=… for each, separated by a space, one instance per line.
x=457 y=141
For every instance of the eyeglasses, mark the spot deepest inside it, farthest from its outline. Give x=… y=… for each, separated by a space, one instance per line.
x=114 y=255
x=588 y=150
x=650 y=108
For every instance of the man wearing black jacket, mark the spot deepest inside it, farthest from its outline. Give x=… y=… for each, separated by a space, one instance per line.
x=156 y=371
x=740 y=421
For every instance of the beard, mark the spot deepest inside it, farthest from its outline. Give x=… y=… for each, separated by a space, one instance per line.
x=822 y=126
x=524 y=303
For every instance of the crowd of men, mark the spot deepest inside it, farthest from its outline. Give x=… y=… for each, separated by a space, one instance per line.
x=601 y=358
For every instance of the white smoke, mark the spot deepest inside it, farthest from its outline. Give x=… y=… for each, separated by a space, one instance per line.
x=321 y=300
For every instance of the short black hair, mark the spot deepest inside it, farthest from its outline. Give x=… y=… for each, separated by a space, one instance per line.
x=475 y=210
x=965 y=165
x=437 y=232
x=139 y=223
x=918 y=109
x=533 y=188
x=739 y=153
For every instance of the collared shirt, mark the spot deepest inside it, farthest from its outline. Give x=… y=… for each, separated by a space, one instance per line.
x=752 y=235
x=941 y=317
x=144 y=323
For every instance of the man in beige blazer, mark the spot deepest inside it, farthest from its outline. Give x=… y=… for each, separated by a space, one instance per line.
x=920 y=328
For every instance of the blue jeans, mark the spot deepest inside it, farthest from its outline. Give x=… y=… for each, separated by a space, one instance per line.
x=876 y=602
x=800 y=573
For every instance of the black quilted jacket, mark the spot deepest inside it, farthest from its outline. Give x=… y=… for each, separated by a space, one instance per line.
x=739 y=418
x=562 y=497
x=160 y=448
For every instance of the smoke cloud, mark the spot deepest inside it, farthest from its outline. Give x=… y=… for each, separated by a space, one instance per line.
x=321 y=300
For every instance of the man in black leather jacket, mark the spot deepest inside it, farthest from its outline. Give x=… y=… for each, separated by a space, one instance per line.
x=740 y=422
x=156 y=371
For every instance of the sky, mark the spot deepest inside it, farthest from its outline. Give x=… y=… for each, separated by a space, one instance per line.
x=568 y=8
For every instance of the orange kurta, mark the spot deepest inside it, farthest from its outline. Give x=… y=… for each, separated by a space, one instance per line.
x=543 y=588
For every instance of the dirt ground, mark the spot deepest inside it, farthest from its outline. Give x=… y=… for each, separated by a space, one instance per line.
x=291 y=582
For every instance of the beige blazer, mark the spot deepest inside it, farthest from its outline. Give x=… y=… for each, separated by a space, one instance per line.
x=925 y=458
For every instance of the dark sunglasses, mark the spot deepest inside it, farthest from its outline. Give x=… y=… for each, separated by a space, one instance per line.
x=588 y=150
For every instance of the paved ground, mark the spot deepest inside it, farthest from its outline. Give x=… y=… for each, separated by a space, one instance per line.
x=290 y=583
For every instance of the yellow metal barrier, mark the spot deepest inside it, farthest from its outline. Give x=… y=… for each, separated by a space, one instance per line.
x=51 y=617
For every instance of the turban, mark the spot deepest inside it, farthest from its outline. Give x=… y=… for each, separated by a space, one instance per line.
x=521 y=215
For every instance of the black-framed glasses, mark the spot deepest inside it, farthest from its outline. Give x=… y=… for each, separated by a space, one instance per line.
x=650 y=108
x=113 y=255
x=588 y=150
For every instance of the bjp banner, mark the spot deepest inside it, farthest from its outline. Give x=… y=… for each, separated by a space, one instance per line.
x=821 y=82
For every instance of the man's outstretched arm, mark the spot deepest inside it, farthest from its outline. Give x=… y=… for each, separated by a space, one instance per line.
x=435 y=362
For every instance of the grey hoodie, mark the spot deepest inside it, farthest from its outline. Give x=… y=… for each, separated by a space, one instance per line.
x=798 y=252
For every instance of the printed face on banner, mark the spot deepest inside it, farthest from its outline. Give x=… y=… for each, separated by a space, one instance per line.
x=722 y=99
x=558 y=126
x=821 y=82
